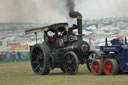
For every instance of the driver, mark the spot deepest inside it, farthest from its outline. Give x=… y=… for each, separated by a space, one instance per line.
x=51 y=37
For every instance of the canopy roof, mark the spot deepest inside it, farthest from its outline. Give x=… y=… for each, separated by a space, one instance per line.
x=46 y=28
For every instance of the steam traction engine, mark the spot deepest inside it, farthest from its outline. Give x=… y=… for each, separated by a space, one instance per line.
x=62 y=48
x=114 y=58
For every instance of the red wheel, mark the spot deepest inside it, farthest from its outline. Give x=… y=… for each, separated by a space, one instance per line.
x=97 y=67
x=111 y=67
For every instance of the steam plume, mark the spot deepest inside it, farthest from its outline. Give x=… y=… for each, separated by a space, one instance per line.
x=45 y=11
x=70 y=5
x=65 y=7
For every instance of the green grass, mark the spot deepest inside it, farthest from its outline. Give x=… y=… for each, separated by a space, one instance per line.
x=21 y=74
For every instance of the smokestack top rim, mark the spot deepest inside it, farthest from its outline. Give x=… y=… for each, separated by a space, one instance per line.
x=75 y=14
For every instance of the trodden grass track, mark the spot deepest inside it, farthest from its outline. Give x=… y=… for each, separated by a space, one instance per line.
x=21 y=74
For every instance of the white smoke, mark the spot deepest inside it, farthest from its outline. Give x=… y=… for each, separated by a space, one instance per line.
x=103 y=8
x=41 y=11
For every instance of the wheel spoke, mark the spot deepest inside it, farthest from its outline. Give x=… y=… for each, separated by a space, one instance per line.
x=73 y=67
x=37 y=66
x=42 y=64
x=40 y=69
x=40 y=54
x=72 y=59
x=35 y=55
x=94 y=55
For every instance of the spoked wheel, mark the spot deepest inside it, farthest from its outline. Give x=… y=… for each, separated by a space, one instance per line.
x=92 y=56
x=71 y=63
x=39 y=59
x=111 y=67
x=97 y=67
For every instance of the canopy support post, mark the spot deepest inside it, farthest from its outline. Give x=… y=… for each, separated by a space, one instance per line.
x=36 y=36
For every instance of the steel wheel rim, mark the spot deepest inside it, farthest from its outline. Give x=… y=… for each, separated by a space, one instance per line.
x=93 y=56
x=108 y=67
x=95 y=68
x=70 y=64
x=37 y=60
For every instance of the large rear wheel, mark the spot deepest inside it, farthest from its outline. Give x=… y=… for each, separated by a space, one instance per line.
x=71 y=63
x=39 y=59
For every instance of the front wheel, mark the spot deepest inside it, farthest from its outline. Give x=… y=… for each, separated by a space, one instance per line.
x=71 y=63
x=97 y=67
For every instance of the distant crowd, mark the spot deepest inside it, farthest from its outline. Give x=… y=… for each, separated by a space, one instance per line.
x=14 y=56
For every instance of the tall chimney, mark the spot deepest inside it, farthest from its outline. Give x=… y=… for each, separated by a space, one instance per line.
x=75 y=14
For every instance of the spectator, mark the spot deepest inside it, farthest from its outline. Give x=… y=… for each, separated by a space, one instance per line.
x=92 y=43
x=1 y=56
x=19 y=56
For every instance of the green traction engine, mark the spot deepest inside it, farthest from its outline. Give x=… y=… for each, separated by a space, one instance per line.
x=63 y=47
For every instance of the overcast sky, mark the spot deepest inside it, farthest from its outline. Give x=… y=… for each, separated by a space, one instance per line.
x=45 y=11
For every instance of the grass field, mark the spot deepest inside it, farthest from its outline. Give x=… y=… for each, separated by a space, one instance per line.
x=21 y=74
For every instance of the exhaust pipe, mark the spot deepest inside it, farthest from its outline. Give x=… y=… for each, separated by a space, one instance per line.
x=126 y=40
x=78 y=16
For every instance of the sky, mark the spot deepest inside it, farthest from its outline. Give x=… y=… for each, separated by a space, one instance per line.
x=47 y=11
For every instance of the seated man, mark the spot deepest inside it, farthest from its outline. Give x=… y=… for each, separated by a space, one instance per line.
x=51 y=37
